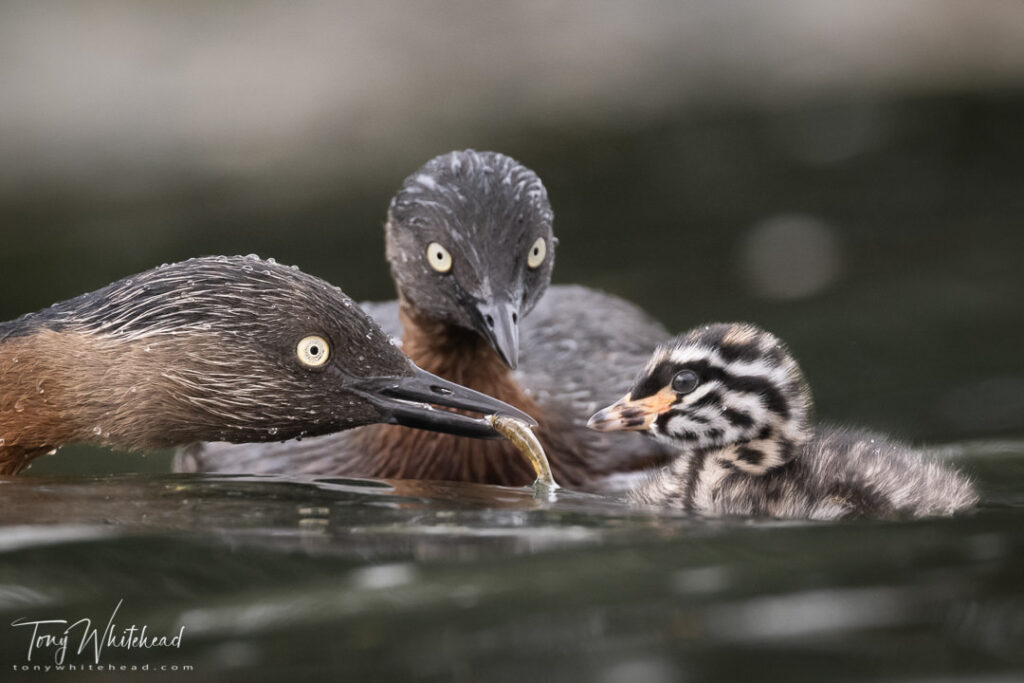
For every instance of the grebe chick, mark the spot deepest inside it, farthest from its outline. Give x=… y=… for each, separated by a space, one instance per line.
x=471 y=249
x=734 y=404
x=236 y=349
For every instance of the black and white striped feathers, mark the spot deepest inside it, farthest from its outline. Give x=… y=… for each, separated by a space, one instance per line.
x=733 y=402
x=734 y=388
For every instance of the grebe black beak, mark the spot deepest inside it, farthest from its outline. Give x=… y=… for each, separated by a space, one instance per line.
x=499 y=323
x=409 y=401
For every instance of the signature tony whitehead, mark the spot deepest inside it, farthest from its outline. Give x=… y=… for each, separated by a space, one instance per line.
x=60 y=635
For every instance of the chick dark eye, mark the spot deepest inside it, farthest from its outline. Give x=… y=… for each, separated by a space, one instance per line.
x=685 y=381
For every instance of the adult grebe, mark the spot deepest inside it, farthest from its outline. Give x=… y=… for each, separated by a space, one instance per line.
x=471 y=249
x=229 y=348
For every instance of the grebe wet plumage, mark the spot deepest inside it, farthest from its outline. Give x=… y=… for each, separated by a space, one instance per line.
x=231 y=348
x=734 y=404
x=471 y=250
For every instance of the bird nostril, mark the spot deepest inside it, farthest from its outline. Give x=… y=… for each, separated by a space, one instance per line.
x=443 y=391
x=515 y=318
x=490 y=320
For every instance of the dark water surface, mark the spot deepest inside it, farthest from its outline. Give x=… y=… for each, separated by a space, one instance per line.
x=277 y=579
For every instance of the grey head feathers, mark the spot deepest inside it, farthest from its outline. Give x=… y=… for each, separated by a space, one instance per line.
x=235 y=349
x=207 y=347
x=485 y=221
x=242 y=298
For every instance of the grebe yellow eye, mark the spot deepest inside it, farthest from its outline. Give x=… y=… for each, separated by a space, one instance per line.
x=537 y=253
x=440 y=259
x=313 y=351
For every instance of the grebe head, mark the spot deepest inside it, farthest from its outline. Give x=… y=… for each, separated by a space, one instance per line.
x=219 y=348
x=470 y=244
x=719 y=386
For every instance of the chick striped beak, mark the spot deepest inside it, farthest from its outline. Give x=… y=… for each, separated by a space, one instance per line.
x=632 y=414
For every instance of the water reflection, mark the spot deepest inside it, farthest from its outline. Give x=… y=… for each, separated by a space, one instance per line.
x=469 y=582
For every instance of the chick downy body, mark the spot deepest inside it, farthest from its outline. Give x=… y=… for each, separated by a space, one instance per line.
x=733 y=403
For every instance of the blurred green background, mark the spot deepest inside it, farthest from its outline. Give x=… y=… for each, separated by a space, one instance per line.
x=846 y=174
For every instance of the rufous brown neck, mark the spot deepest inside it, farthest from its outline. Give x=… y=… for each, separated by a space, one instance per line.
x=46 y=396
x=464 y=357
x=67 y=387
x=459 y=355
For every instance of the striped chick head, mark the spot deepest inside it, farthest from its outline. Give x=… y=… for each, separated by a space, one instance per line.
x=719 y=386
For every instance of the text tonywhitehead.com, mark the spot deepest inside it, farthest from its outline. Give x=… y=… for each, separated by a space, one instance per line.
x=43 y=668
x=60 y=640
